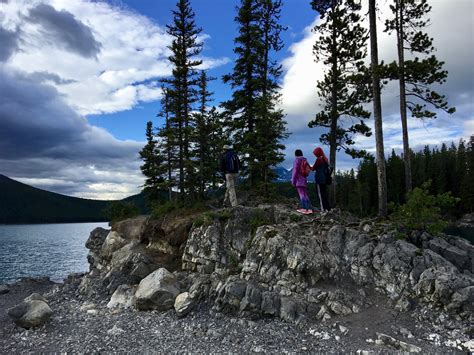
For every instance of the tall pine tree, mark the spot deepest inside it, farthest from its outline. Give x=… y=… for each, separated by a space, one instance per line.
x=377 y=104
x=182 y=89
x=257 y=126
x=415 y=76
x=341 y=47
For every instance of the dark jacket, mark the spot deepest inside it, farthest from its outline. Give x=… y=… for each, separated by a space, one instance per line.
x=230 y=163
x=320 y=168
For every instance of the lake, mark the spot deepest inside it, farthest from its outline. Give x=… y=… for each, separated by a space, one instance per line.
x=35 y=250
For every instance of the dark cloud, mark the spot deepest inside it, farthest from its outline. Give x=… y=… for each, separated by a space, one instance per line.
x=64 y=30
x=8 y=43
x=42 y=76
x=44 y=139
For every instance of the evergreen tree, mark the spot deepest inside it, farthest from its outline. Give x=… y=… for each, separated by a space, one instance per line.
x=375 y=69
x=341 y=46
x=208 y=137
x=182 y=89
x=257 y=127
x=415 y=76
x=152 y=166
x=167 y=143
x=468 y=185
x=395 y=173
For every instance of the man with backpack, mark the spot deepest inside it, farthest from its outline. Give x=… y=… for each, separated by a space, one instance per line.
x=323 y=178
x=230 y=167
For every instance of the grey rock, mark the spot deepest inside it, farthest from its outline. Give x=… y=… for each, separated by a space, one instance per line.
x=157 y=291
x=397 y=344
x=122 y=297
x=4 y=289
x=32 y=312
x=184 y=304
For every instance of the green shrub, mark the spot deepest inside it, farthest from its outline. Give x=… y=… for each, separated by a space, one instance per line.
x=257 y=220
x=163 y=208
x=208 y=218
x=118 y=211
x=295 y=218
x=423 y=211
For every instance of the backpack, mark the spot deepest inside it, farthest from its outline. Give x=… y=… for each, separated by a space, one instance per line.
x=232 y=163
x=305 y=169
x=328 y=174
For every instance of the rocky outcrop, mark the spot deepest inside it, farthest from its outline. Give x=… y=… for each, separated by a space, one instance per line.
x=132 y=250
x=34 y=311
x=284 y=266
x=269 y=261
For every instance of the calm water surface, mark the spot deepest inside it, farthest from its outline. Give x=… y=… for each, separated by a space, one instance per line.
x=53 y=250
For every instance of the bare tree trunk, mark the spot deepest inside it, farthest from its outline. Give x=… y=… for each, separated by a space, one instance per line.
x=403 y=104
x=168 y=147
x=380 y=156
x=334 y=111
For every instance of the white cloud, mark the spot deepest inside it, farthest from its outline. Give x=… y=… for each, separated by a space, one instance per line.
x=63 y=62
x=133 y=51
x=455 y=46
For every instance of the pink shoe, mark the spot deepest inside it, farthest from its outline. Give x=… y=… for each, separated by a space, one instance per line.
x=308 y=212
x=301 y=210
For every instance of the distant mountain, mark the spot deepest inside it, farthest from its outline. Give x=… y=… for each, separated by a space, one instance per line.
x=282 y=174
x=21 y=203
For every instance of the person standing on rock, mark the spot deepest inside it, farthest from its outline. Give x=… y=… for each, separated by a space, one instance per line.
x=301 y=170
x=321 y=178
x=230 y=167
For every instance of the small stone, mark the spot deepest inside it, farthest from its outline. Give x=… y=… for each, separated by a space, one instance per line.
x=92 y=312
x=343 y=329
x=4 y=289
x=87 y=306
x=115 y=330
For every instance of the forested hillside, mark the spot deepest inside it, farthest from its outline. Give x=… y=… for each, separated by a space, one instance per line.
x=21 y=203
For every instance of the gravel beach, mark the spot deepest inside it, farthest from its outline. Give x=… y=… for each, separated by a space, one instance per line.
x=81 y=324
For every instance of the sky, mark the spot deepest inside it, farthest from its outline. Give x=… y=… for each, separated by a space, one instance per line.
x=79 y=81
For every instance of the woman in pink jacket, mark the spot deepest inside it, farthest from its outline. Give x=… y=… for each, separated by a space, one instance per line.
x=301 y=170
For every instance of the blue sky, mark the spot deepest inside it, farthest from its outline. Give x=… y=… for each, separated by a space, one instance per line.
x=79 y=79
x=217 y=21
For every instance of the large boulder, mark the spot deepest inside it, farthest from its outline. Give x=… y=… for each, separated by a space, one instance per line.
x=32 y=312
x=122 y=297
x=157 y=291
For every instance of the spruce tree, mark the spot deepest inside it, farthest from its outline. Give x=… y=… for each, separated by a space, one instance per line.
x=167 y=143
x=152 y=167
x=257 y=126
x=182 y=88
x=203 y=134
x=415 y=76
x=341 y=47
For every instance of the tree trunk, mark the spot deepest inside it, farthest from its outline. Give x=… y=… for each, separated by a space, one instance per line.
x=334 y=111
x=403 y=105
x=168 y=146
x=380 y=156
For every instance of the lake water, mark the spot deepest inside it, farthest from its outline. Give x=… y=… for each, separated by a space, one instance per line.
x=34 y=250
